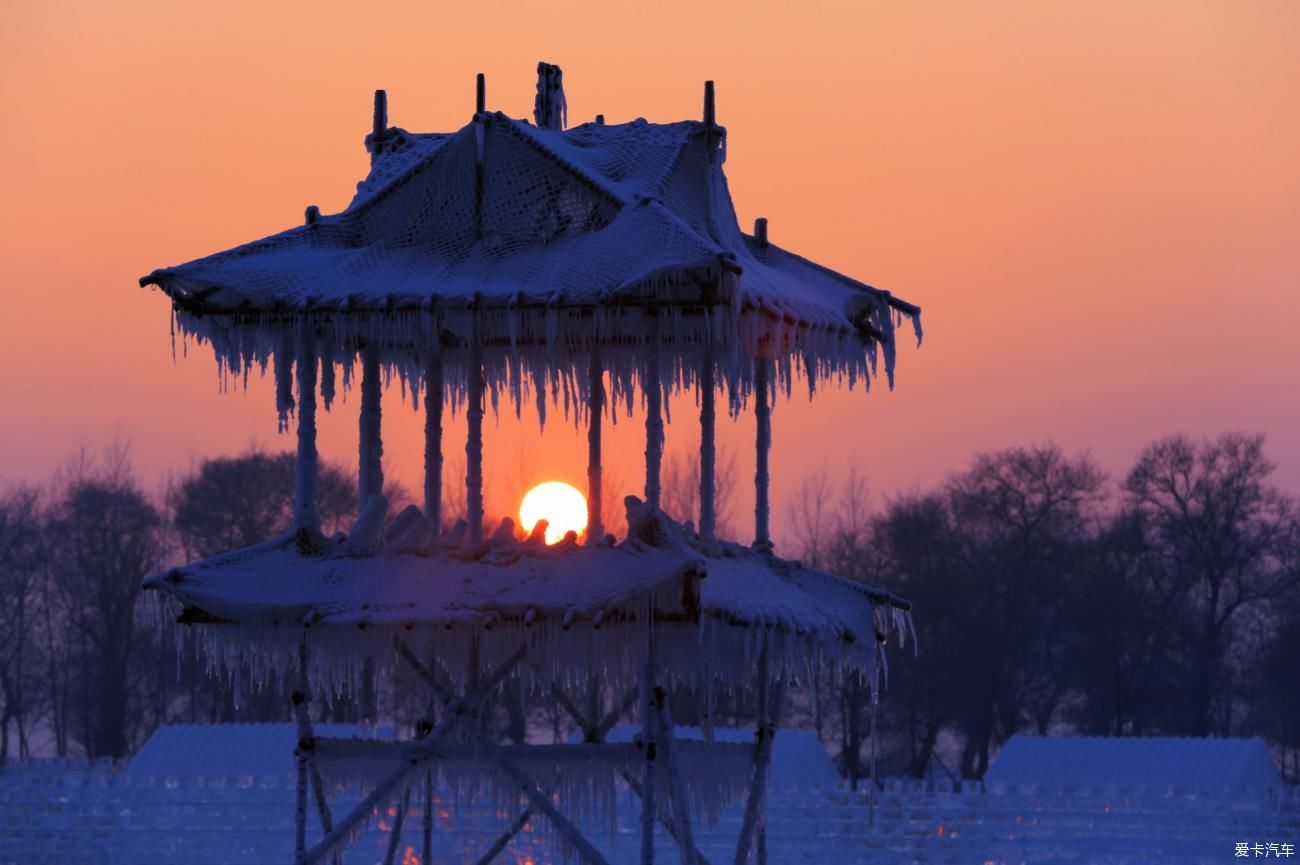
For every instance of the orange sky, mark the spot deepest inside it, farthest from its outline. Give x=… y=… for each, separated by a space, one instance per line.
x=1096 y=203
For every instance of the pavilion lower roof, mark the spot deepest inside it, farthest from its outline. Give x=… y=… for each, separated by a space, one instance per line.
x=578 y=605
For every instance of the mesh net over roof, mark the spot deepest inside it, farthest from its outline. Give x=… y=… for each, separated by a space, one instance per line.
x=556 y=234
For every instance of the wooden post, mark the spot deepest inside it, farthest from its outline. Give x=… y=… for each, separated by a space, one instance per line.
x=474 y=446
x=708 y=451
x=306 y=467
x=676 y=789
x=654 y=419
x=710 y=120
x=299 y=698
x=427 y=857
x=480 y=136
x=648 y=771
x=875 y=704
x=769 y=715
x=300 y=808
x=762 y=444
x=380 y=125
x=371 y=480
x=760 y=232
x=395 y=835
x=306 y=744
x=595 y=412
x=433 y=439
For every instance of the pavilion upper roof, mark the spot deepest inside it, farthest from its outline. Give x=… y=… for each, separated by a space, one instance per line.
x=507 y=214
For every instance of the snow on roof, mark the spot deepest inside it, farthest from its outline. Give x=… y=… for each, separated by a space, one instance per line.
x=1084 y=760
x=229 y=750
x=554 y=236
x=577 y=605
x=570 y=217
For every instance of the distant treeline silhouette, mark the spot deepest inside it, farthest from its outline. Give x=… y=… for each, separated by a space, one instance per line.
x=1048 y=598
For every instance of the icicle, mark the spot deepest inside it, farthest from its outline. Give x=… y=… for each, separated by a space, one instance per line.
x=327 y=388
x=284 y=378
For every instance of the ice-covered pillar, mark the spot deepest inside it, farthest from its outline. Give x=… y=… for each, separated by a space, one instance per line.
x=371 y=449
x=433 y=438
x=654 y=417
x=762 y=444
x=708 y=451
x=474 y=442
x=306 y=468
x=595 y=410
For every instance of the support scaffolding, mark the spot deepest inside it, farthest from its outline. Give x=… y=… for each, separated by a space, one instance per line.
x=415 y=765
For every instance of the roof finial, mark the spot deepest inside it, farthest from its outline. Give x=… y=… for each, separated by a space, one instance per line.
x=760 y=232
x=312 y=215
x=600 y=120
x=710 y=116
x=549 y=108
x=381 y=124
x=480 y=101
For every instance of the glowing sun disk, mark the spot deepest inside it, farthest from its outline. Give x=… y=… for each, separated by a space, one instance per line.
x=562 y=506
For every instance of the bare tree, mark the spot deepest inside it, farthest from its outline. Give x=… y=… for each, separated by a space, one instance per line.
x=680 y=494
x=1224 y=534
x=811 y=518
x=103 y=537
x=20 y=590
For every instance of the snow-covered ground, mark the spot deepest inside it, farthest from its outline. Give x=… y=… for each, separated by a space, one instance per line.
x=54 y=813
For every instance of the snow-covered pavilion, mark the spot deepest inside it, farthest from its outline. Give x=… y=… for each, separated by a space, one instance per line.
x=588 y=267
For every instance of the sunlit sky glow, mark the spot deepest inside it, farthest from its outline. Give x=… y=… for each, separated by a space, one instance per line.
x=1095 y=203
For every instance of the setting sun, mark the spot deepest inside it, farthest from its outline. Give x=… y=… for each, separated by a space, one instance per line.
x=561 y=505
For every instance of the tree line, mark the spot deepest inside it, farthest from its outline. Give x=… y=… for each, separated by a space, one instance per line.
x=1048 y=598
x=1052 y=599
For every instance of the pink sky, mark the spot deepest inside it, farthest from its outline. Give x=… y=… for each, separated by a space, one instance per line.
x=1096 y=204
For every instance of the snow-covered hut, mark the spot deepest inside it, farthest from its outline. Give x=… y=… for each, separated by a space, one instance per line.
x=588 y=267
x=1152 y=761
